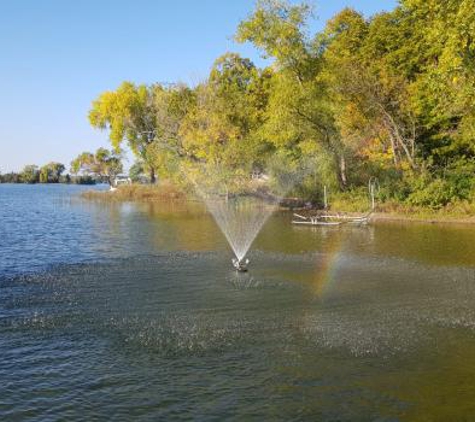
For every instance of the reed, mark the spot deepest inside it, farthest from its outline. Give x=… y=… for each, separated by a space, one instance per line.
x=141 y=193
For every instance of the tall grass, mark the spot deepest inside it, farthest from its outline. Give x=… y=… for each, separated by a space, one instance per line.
x=137 y=192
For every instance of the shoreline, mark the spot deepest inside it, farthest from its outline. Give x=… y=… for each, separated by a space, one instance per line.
x=379 y=217
x=382 y=217
x=148 y=194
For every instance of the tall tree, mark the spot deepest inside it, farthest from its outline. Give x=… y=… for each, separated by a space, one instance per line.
x=223 y=127
x=370 y=97
x=172 y=104
x=299 y=117
x=130 y=116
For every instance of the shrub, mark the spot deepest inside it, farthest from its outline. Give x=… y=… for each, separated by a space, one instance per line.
x=436 y=194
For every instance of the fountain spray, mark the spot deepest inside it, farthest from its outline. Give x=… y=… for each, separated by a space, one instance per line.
x=241 y=202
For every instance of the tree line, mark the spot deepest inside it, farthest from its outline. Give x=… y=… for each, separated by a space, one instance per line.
x=49 y=173
x=388 y=98
x=87 y=168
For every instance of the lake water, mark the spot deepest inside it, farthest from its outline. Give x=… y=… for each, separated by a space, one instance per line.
x=133 y=312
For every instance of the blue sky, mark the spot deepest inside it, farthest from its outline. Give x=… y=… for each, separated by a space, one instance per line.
x=58 y=55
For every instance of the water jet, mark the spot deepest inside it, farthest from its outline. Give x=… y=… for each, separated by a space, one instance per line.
x=241 y=200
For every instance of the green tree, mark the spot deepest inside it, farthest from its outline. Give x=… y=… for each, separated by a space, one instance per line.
x=224 y=126
x=172 y=105
x=299 y=116
x=130 y=116
x=136 y=171
x=30 y=174
x=370 y=97
x=51 y=172
x=104 y=164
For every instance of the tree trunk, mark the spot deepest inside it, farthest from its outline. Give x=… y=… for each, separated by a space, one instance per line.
x=393 y=148
x=153 y=178
x=409 y=157
x=343 y=179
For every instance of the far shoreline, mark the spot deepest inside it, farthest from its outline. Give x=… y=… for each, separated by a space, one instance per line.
x=168 y=193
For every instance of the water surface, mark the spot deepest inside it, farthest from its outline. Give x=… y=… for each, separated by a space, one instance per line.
x=132 y=312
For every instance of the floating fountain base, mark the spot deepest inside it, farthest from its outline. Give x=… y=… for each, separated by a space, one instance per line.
x=240 y=266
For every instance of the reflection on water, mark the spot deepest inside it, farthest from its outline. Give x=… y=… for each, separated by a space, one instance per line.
x=142 y=317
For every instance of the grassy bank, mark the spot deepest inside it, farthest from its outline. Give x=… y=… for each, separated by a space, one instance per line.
x=461 y=212
x=143 y=193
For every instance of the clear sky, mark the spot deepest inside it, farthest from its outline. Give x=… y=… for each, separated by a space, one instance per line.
x=56 y=56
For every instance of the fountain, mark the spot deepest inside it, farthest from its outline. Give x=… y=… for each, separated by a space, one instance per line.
x=240 y=266
x=241 y=201
x=240 y=219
